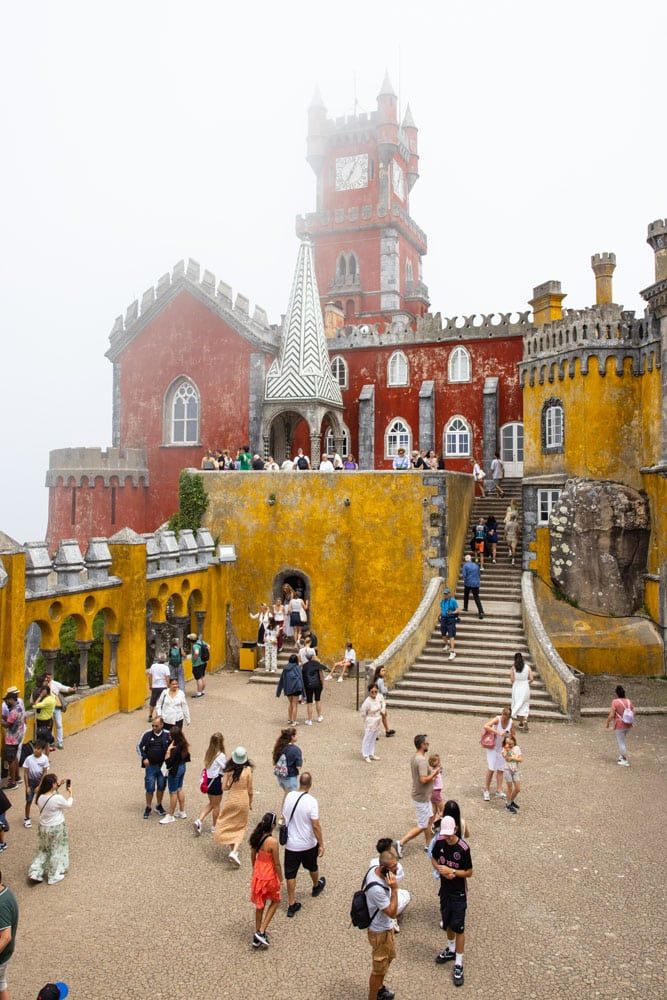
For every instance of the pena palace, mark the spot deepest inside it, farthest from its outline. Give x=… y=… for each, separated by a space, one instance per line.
x=361 y=364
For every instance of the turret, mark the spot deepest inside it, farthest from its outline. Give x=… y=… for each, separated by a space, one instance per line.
x=657 y=240
x=604 y=265
x=410 y=131
x=317 y=126
x=387 y=132
x=547 y=302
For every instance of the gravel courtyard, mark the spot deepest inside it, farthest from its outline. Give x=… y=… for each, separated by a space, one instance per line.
x=567 y=899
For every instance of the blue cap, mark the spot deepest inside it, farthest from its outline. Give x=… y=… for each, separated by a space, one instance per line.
x=54 y=991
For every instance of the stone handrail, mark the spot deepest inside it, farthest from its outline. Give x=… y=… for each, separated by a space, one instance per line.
x=560 y=682
x=408 y=644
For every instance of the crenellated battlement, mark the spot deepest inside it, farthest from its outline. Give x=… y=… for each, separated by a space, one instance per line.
x=657 y=228
x=70 y=466
x=204 y=286
x=604 y=332
x=433 y=329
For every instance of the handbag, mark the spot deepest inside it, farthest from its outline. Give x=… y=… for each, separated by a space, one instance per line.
x=487 y=739
x=203 y=785
x=282 y=835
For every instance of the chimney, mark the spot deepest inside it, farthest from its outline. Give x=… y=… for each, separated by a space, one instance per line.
x=547 y=303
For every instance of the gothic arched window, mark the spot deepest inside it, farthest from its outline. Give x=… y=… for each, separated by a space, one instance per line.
x=458 y=438
x=398 y=435
x=459 y=365
x=182 y=411
x=329 y=445
x=397 y=369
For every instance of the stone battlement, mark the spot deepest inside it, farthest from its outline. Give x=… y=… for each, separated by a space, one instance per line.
x=657 y=228
x=203 y=286
x=319 y=222
x=77 y=464
x=601 y=331
x=432 y=329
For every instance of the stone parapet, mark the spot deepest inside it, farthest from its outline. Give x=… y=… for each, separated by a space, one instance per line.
x=559 y=680
x=77 y=464
x=255 y=328
x=433 y=328
x=315 y=223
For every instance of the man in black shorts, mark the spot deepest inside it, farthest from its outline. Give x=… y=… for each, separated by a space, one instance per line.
x=305 y=844
x=450 y=856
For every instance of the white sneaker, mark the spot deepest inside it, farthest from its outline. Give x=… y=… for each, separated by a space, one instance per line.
x=624 y=762
x=328 y=678
x=452 y=655
x=180 y=815
x=197 y=826
x=486 y=796
x=396 y=927
x=373 y=757
x=340 y=680
x=309 y=722
x=27 y=823
x=55 y=879
x=369 y=760
x=235 y=859
x=320 y=718
x=500 y=795
x=167 y=819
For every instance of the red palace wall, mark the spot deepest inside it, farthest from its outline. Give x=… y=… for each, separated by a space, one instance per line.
x=186 y=339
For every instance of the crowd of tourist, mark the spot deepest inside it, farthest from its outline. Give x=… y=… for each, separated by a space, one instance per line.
x=245 y=461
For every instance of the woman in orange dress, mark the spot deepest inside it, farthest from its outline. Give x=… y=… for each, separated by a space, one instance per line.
x=266 y=877
x=237 y=801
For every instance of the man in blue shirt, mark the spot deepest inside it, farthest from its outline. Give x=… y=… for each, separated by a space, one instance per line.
x=471 y=582
x=449 y=612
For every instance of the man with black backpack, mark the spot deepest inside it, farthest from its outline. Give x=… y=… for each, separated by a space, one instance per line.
x=380 y=889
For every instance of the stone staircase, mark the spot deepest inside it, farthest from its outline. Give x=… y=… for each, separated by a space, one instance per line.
x=477 y=682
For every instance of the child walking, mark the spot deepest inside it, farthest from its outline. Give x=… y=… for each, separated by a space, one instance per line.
x=267 y=876
x=513 y=757
x=436 y=788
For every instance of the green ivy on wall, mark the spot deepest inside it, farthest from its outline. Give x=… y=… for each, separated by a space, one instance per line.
x=192 y=503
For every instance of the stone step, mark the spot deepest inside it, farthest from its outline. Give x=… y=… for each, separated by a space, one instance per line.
x=472 y=647
x=487 y=695
x=422 y=680
x=466 y=708
x=469 y=660
x=454 y=668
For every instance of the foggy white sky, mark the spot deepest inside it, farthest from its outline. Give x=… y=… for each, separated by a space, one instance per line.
x=137 y=133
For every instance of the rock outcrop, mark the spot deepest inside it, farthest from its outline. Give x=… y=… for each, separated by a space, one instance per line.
x=599 y=544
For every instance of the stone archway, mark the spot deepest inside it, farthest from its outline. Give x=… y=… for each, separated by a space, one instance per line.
x=296 y=578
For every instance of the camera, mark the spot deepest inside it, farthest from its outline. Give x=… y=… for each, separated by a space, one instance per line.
x=68 y=784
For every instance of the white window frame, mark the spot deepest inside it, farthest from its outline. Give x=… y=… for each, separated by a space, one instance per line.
x=178 y=387
x=329 y=447
x=554 y=433
x=397 y=437
x=398 y=370
x=454 y=365
x=337 y=362
x=459 y=431
x=546 y=501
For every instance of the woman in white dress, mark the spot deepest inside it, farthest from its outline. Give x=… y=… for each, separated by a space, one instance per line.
x=522 y=678
x=499 y=726
x=372 y=710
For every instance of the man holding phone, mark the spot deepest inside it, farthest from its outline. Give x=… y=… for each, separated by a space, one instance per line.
x=382 y=901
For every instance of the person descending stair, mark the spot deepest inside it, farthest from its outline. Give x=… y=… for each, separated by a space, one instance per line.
x=449 y=612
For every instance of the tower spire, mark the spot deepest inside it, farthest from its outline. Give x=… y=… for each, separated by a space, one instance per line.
x=386 y=90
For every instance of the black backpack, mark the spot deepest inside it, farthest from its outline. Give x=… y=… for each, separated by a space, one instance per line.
x=359 y=913
x=302 y=462
x=204 y=652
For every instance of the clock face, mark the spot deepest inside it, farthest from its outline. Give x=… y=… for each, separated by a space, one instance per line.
x=397 y=180
x=351 y=172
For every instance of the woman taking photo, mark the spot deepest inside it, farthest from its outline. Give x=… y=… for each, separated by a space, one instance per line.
x=52 y=858
x=500 y=725
x=287 y=759
x=214 y=765
x=177 y=756
x=233 y=820
x=266 y=877
x=172 y=706
x=371 y=709
x=522 y=677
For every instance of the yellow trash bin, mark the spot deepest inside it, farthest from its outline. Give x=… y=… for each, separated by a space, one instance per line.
x=248 y=656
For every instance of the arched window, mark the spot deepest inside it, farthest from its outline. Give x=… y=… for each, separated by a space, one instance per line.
x=397 y=369
x=398 y=435
x=459 y=365
x=352 y=266
x=341 y=267
x=409 y=273
x=553 y=426
x=330 y=446
x=182 y=413
x=458 y=438
x=339 y=371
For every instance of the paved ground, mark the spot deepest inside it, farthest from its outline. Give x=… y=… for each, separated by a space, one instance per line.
x=644 y=691
x=568 y=897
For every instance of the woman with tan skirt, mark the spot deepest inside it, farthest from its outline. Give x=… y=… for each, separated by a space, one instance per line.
x=237 y=802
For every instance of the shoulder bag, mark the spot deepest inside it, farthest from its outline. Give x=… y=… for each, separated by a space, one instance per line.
x=282 y=836
x=487 y=739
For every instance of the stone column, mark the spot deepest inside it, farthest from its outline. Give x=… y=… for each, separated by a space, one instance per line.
x=489 y=422
x=84 y=648
x=201 y=618
x=182 y=623
x=113 y=639
x=366 y=452
x=49 y=656
x=315 y=450
x=427 y=416
x=161 y=637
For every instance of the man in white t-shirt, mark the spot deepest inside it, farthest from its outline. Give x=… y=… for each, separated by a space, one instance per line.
x=58 y=689
x=326 y=465
x=158 y=678
x=305 y=844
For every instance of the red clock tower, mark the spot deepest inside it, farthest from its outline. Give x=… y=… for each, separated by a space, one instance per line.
x=368 y=250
